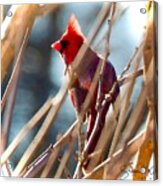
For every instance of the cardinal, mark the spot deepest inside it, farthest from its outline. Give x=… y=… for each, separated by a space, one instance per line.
x=68 y=46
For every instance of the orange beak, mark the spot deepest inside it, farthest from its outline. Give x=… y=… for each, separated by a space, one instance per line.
x=57 y=46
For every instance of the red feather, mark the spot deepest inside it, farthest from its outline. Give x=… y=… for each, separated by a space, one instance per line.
x=68 y=46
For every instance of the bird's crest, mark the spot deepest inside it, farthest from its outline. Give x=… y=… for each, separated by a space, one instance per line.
x=73 y=25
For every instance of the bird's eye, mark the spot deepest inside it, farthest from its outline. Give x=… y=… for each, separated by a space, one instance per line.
x=64 y=44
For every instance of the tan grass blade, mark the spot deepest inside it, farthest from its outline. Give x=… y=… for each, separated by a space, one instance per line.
x=64 y=160
x=24 y=131
x=27 y=156
x=50 y=162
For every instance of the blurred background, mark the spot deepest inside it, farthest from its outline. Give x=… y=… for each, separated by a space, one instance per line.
x=43 y=69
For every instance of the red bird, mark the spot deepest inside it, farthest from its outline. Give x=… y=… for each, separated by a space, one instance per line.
x=68 y=46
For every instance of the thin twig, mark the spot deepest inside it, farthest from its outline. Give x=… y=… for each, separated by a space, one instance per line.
x=65 y=139
x=85 y=108
x=149 y=54
x=6 y=169
x=27 y=156
x=16 y=71
x=102 y=16
x=33 y=169
x=120 y=159
x=25 y=159
x=10 y=104
x=24 y=131
x=134 y=121
x=66 y=170
x=112 y=117
x=51 y=160
x=11 y=40
x=109 y=126
x=126 y=78
x=106 y=54
x=116 y=158
x=64 y=160
x=39 y=163
x=126 y=103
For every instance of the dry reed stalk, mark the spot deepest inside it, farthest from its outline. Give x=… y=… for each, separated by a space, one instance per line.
x=111 y=13
x=119 y=160
x=36 y=166
x=28 y=154
x=11 y=40
x=106 y=137
x=6 y=123
x=133 y=122
x=6 y=169
x=24 y=131
x=126 y=78
x=109 y=127
x=16 y=71
x=125 y=105
x=64 y=160
x=148 y=147
x=122 y=116
x=11 y=100
x=118 y=13
x=39 y=163
x=146 y=138
x=52 y=158
x=103 y=142
x=107 y=132
x=77 y=60
x=65 y=139
x=50 y=163
x=9 y=36
x=144 y=157
x=67 y=173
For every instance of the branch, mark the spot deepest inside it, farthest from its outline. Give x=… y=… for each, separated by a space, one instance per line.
x=35 y=167
x=39 y=163
x=64 y=160
x=11 y=100
x=6 y=169
x=150 y=78
x=11 y=38
x=52 y=158
x=16 y=71
x=111 y=10
x=119 y=160
x=24 y=131
x=133 y=122
x=48 y=122
x=125 y=104
x=115 y=164
x=110 y=124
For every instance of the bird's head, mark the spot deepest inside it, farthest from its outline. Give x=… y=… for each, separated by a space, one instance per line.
x=70 y=42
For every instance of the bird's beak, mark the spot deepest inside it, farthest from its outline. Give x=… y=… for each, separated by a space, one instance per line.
x=56 y=46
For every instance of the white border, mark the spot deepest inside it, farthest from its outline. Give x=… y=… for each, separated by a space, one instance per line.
x=47 y=182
